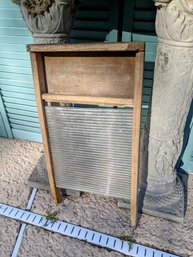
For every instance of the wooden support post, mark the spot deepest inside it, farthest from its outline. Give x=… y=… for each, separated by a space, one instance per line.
x=40 y=88
x=136 y=135
x=88 y=100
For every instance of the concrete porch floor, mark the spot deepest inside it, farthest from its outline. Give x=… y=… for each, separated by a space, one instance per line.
x=17 y=160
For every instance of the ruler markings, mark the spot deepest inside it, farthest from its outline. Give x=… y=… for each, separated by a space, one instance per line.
x=74 y=231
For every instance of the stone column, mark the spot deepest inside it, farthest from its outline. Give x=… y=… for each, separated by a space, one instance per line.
x=172 y=95
x=50 y=21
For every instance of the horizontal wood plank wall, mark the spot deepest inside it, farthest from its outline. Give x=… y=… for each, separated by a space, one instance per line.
x=5 y=129
x=144 y=30
x=186 y=162
x=187 y=158
x=96 y=21
x=93 y=24
x=3 y=132
x=140 y=26
x=15 y=74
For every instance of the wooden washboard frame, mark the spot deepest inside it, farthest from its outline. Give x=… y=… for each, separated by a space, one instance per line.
x=50 y=88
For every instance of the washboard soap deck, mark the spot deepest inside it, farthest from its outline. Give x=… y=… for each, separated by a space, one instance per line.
x=89 y=105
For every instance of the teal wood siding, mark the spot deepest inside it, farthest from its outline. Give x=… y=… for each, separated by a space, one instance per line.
x=186 y=163
x=139 y=25
x=5 y=129
x=187 y=158
x=95 y=21
x=3 y=132
x=15 y=74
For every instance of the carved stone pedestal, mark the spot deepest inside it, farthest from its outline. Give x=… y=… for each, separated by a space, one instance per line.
x=161 y=191
x=168 y=205
x=50 y=21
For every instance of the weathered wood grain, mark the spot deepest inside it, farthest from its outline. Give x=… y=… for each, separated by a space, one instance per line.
x=139 y=67
x=104 y=76
x=88 y=100
x=40 y=87
x=88 y=47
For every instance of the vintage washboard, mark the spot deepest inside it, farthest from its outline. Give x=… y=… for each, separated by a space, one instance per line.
x=89 y=105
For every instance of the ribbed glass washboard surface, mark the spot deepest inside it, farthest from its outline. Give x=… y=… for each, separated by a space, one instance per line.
x=91 y=149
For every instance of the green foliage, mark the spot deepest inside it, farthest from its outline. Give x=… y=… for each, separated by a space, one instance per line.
x=129 y=239
x=50 y=217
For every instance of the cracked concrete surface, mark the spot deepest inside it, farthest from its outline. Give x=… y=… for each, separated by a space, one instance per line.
x=17 y=160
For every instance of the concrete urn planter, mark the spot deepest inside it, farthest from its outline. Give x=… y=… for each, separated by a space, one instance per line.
x=50 y=21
